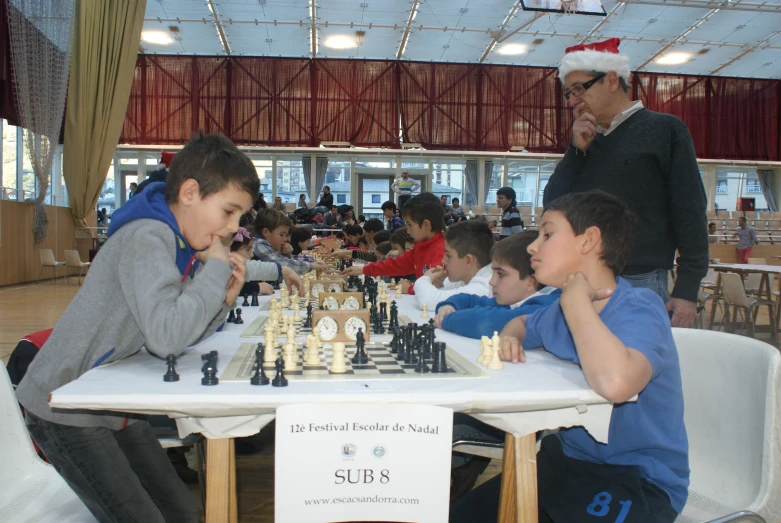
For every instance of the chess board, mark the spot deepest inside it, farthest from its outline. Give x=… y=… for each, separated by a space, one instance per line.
x=302 y=304
x=382 y=365
x=256 y=329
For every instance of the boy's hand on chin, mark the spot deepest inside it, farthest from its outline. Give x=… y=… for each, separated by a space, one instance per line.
x=216 y=251
x=437 y=275
x=576 y=286
x=238 y=274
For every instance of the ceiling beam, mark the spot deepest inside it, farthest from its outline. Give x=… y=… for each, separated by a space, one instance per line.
x=501 y=31
x=747 y=51
x=520 y=30
x=677 y=39
x=602 y=22
x=404 y=39
x=313 y=16
x=713 y=4
x=218 y=24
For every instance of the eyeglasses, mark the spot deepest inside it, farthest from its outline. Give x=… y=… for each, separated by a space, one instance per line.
x=578 y=90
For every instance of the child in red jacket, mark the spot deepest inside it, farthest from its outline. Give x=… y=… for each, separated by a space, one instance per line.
x=425 y=220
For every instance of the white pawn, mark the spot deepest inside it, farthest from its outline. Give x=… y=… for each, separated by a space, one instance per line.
x=495 y=363
x=269 y=354
x=338 y=365
x=296 y=311
x=393 y=283
x=424 y=313
x=485 y=351
x=272 y=303
x=316 y=334
x=290 y=357
x=312 y=352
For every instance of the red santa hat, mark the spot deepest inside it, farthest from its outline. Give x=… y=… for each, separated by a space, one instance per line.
x=599 y=56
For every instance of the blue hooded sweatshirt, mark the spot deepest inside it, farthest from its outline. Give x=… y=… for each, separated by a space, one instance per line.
x=151 y=204
x=477 y=316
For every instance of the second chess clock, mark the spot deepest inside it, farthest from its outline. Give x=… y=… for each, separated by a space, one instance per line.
x=341 y=325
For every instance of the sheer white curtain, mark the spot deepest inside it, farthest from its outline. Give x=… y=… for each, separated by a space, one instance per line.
x=471 y=182
x=768 y=184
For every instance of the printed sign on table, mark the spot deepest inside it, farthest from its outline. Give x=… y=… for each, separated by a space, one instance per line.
x=362 y=463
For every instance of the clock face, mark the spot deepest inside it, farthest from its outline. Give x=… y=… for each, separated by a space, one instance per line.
x=351 y=304
x=335 y=287
x=331 y=304
x=317 y=288
x=352 y=325
x=329 y=328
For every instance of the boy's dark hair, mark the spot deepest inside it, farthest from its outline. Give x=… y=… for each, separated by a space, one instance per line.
x=361 y=218
x=214 y=162
x=612 y=216
x=711 y=223
x=513 y=251
x=383 y=248
x=373 y=225
x=455 y=200
x=270 y=219
x=363 y=239
x=389 y=205
x=246 y=220
x=302 y=196
x=425 y=206
x=353 y=230
x=382 y=236
x=326 y=187
x=471 y=237
x=339 y=235
x=507 y=192
x=401 y=237
x=334 y=207
x=299 y=234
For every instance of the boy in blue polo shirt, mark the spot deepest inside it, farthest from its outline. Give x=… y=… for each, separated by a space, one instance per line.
x=621 y=338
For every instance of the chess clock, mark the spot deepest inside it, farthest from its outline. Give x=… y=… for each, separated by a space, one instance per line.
x=334 y=301
x=318 y=286
x=341 y=325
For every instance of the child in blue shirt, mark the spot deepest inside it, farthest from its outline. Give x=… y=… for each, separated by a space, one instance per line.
x=515 y=292
x=621 y=337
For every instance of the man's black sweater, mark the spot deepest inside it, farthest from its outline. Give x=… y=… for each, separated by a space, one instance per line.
x=649 y=162
x=326 y=201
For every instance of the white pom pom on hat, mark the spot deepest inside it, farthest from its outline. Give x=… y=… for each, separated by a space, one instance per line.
x=599 y=56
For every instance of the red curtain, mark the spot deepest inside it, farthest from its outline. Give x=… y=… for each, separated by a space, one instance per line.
x=298 y=102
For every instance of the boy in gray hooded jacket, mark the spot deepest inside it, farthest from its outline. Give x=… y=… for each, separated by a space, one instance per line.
x=163 y=280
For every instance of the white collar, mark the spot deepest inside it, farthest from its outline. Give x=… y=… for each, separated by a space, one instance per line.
x=621 y=118
x=542 y=292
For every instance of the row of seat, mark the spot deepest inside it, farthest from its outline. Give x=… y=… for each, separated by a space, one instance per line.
x=72 y=262
x=749 y=215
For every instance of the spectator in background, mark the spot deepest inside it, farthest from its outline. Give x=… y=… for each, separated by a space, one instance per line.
x=278 y=205
x=361 y=220
x=158 y=175
x=404 y=187
x=492 y=225
x=747 y=237
x=394 y=220
x=446 y=208
x=512 y=222
x=302 y=202
x=260 y=202
x=349 y=217
x=133 y=189
x=456 y=211
x=325 y=203
x=332 y=220
x=711 y=234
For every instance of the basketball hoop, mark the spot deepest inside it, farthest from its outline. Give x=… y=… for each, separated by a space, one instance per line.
x=569 y=7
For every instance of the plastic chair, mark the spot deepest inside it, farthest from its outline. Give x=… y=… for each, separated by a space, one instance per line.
x=753 y=279
x=73 y=261
x=735 y=297
x=731 y=389
x=47 y=260
x=32 y=490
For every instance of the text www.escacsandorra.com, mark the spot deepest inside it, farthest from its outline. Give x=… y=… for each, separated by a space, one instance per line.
x=375 y=499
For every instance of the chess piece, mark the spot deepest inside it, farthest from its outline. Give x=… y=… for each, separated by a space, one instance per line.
x=259 y=378
x=255 y=299
x=424 y=313
x=308 y=321
x=422 y=367
x=245 y=303
x=316 y=334
x=338 y=365
x=238 y=320
x=440 y=363
x=296 y=311
x=360 y=358
x=268 y=353
x=312 y=357
x=231 y=317
x=495 y=363
x=383 y=311
x=485 y=351
x=409 y=345
x=209 y=369
x=394 y=315
x=171 y=375
x=279 y=380
x=394 y=344
x=290 y=357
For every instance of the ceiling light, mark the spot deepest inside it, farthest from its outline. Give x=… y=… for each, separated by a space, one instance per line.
x=157 y=37
x=512 y=49
x=673 y=58
x=340 y=42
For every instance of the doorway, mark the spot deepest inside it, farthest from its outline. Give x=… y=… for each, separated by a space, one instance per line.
x=126 y=178
x=374 y=189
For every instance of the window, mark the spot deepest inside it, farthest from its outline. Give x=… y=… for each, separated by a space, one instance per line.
x=736 y=182
x=337 y=178
x=9 y=161
x=108 y=196
x=448 y=178
x=721 y=188
x=290 y=180
x=753 y=187
x=342 y=198
x=375 y=198
x=496 y=183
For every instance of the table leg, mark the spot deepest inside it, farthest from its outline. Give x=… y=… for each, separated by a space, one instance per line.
x=519 y=475
x=713 y=304
x=218 y=454
x=233 y=504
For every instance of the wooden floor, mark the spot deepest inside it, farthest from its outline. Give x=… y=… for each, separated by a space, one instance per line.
x=29 y=308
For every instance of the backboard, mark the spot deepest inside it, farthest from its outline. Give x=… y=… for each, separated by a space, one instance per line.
x=580 y=7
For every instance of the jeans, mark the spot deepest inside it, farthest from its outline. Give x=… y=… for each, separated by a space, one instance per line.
x=655 y=280
x=403 y=198
x=319 y=210
x=467 y=427
x=121 y=476
x=744 y=255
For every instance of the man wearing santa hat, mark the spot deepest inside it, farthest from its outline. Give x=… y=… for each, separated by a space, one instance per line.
x=159 y=175
x=643 y=157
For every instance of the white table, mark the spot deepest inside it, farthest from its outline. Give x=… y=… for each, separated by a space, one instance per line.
x=522 y=399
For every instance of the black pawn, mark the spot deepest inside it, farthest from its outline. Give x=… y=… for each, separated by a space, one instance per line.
x=308 y=322
x=394 y=344
x=383 y=311
x=422 y=366
x=171 y=375
x=394 y=315
x=440 y=362
x=360 y=358
x=231 y=317
x=254 y=299
x=245 y=303
x=424 y=347
x=259 y=378
x=409 y=355
x=238 y=320
x=402 y=344
x=279 y=380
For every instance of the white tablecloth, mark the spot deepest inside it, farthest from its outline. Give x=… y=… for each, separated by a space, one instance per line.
x=542 y=393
